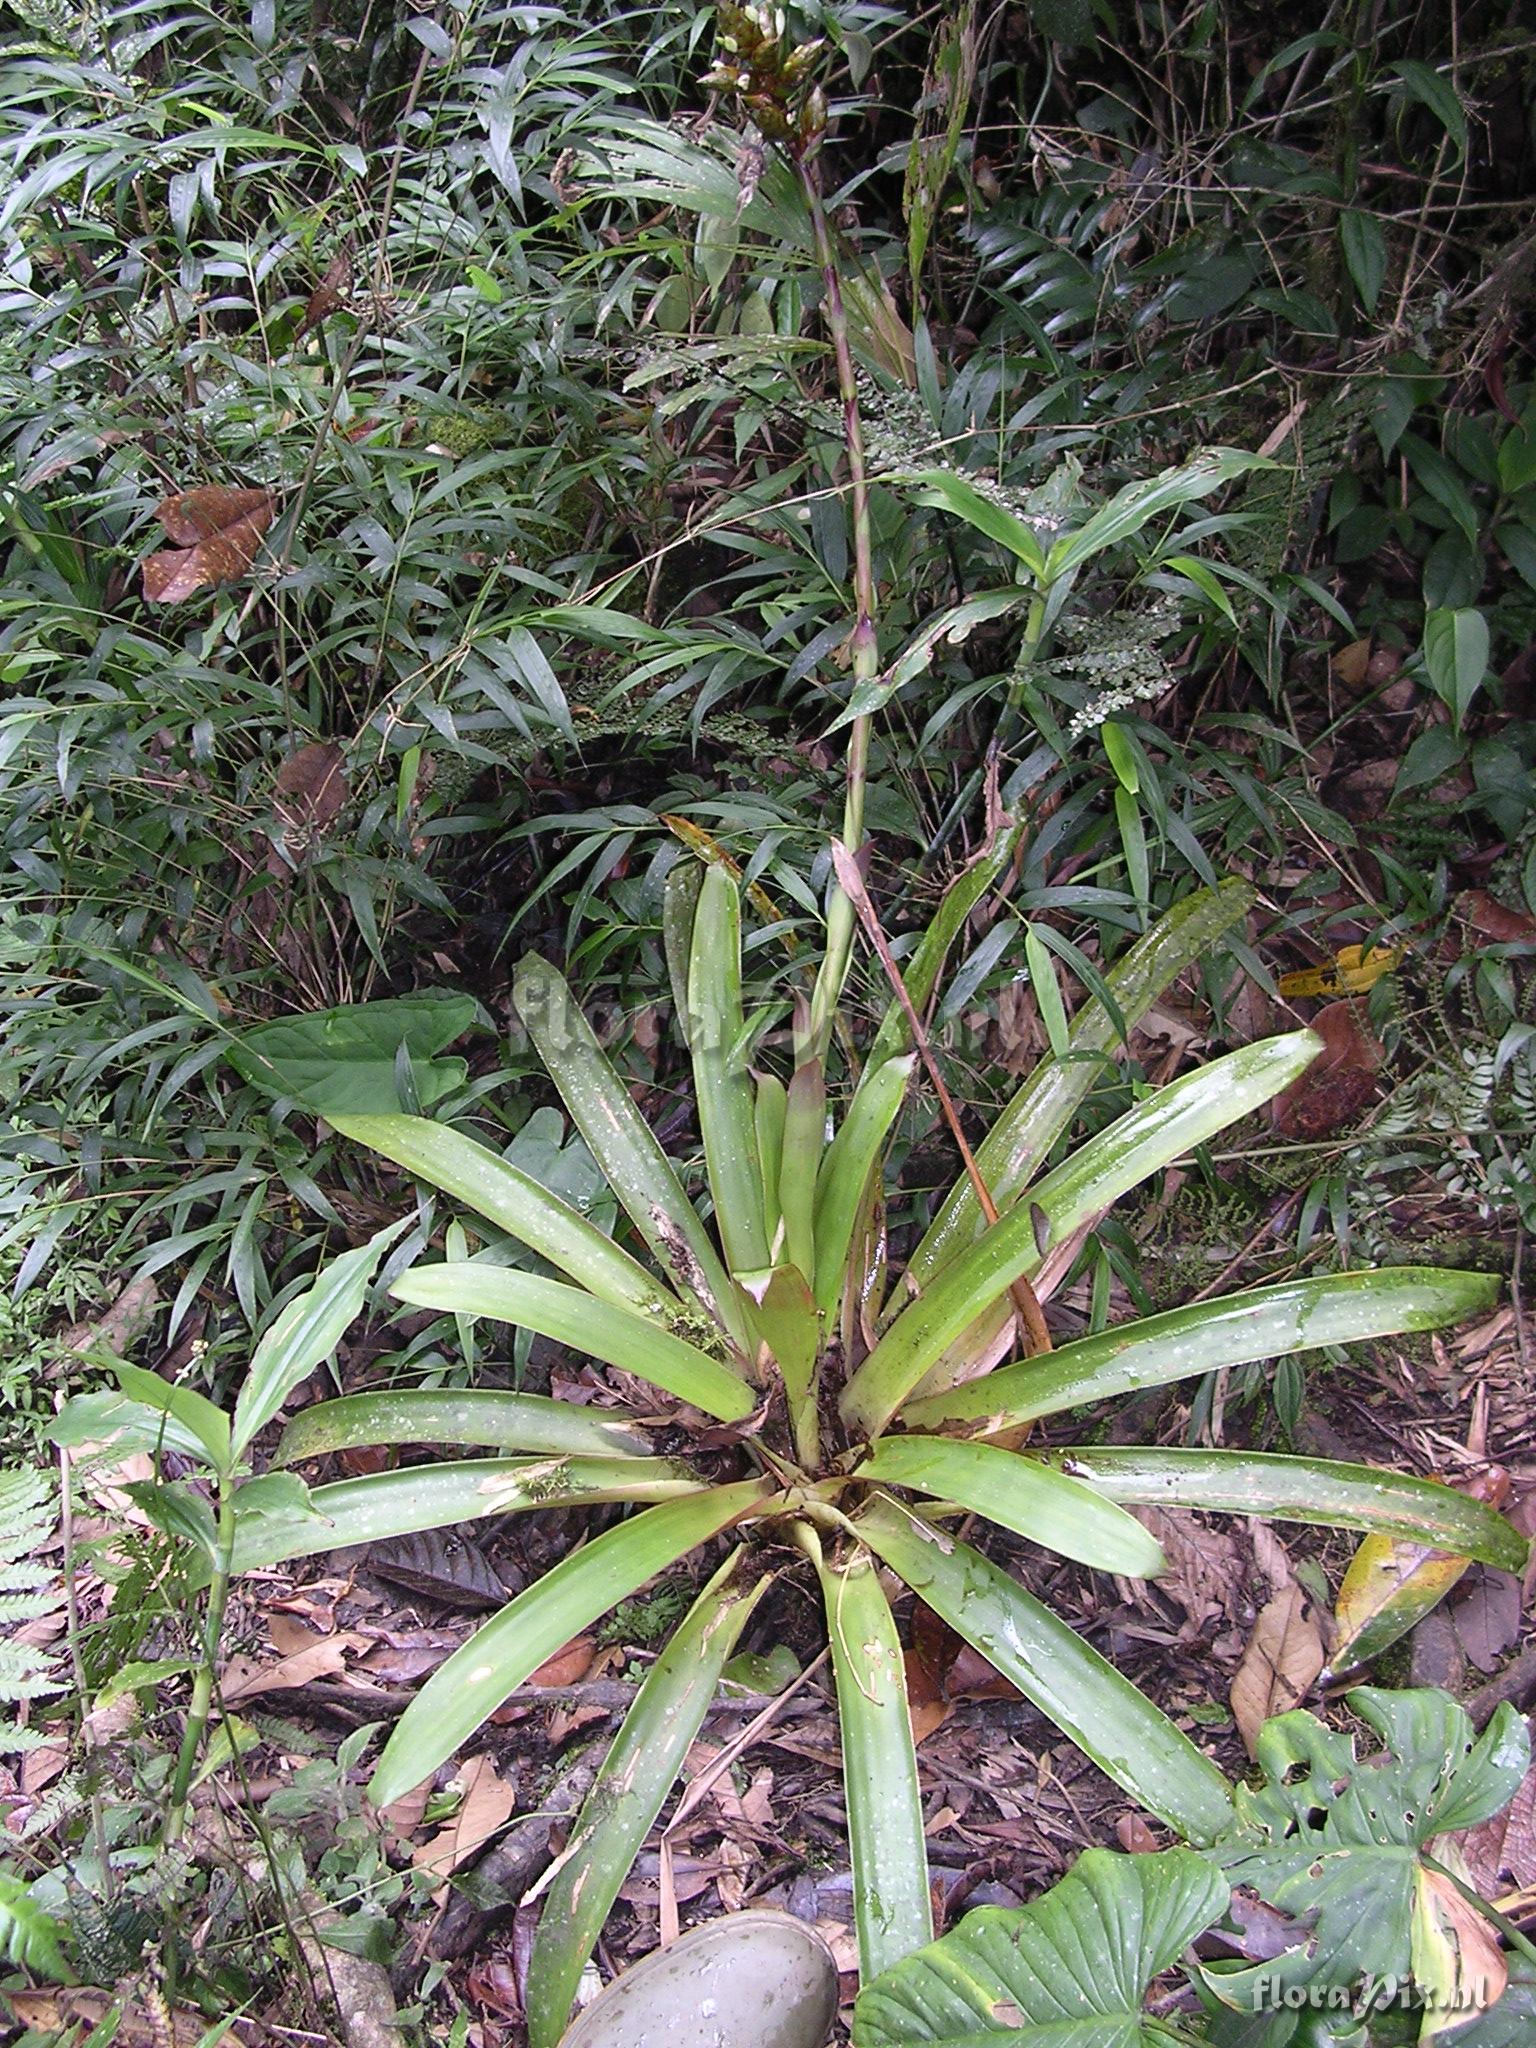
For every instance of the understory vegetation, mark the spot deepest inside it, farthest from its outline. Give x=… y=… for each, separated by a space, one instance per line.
x=742 y=752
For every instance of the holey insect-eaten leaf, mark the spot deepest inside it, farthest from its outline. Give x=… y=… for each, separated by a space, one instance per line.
x=217 y=532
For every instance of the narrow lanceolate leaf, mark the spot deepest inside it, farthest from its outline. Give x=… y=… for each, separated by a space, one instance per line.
x=1036 y=1500
x=203 y=1422
x=1137 y=504
x=1010 y=1154
x=950 y=492
x=722 y=1085
x=921 y=975
x=1143 y=1141
x=640 y=1768
x=1343 y=1308
x=1301 y=1490
x=572 y=1316
x=418 y=1497
x=1104 y=1714
x=769 y=1112
x=805 y=1128
x=891 y=1907
x=507 y=1197
x=497 y=1658
x=418 y=1415
x=845 y=1171
x=306 y=1333
x=621 y=1141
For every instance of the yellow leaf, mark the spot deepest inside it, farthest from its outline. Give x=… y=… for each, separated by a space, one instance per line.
x=1350 y=973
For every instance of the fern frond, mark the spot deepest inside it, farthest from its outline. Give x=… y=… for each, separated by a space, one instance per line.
x=28 y=1935
x=29 y=1593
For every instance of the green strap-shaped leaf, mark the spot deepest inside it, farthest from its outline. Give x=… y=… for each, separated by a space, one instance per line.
x=627 y=1795
x=621 y=1141
x=1035 y=1118
x=845 y=1171
x=805 y=1128
x=1150 y=1136
x=306 y=1333
x=571 y=1316
x=1070 y=1970
x=1342 y=1308
x=419 y=1415
x=722 y=1085
x=1105 y=1715
x=385 y=1504
x=1036 y=1500
x=497 y=1658
x=891 y=1906
x=1301 y=1490
x=507 y=1197
x=771 y=1107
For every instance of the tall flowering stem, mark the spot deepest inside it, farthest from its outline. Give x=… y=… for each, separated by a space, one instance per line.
x=772 y=78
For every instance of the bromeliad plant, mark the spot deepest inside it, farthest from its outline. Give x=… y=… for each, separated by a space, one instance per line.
x=858 y=1418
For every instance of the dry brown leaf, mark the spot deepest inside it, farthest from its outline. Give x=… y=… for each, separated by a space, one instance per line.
x=1207 y=1571
x=1490 y=919
x=310 y=786
x=569 y=1664
x=488 y=1801
x=60 y=2011
x=328 y=293
x=1500 y=1854
x=218 y=532
x=245 y=1677
x=1281 y=1663
x=1456 y=1955
x=1340 y=1081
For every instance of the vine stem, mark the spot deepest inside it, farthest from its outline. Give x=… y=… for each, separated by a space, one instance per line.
x=864 y=646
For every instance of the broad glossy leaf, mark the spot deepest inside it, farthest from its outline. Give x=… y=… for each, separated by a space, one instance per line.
x=885 y=1806
x=476 y=1679
x=418 y=1497
x=1070 y=1970
x=627 y=1795
x=1342 y=1308
x=1011 y=1153
x=1336 y=1840
x=1300 y=1490
x=845 y=1170
x=306 y=1333
x=107 y=1418
x=722 y=1085
x=343 y=1060
x=600 y=1329
x=1131 y=1740
x=1036 y=1499
x=1143 y=1141
x=1390 y=1586
x=501 y=1192
x=621 y=1141
x=418 y=1415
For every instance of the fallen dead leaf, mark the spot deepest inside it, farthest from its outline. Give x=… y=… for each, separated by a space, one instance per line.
x=329 y=293
x=1500 y=1854
x=568 y=1665
x=488 y=1801
x=1340 y=1082
x=57 y=2012
x=245 y=1677
x=217 y=531
x=1280 y=1665
x=310 y=788
x=1487 y=1617
x=1490 y=919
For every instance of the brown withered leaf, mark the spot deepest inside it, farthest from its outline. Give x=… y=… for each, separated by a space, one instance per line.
x=488 y=1801
x=310 y=786
x=329 y=293
x=1340 y=1081
x=1282 y=1660
x=1500 y=1853
x=217 y=531
x=60 y=2011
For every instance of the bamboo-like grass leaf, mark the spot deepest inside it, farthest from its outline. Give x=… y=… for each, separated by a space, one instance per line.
x=621 y=1141
x=1341 y=1308
x=572 y=1316
x=1293 y=1489
x=640 y=1768
x=1060 y=1514
x=722 y=1085
x=951 y=492
x=1132 y=1741
x=892 y=1912
x=1010 y=1154
x=497 y=1658
x=421 y=1415
x=383 y=1504
x=509 y=1198
x=1148 y=1137
x=846 y=1168
x=305 y=1334
x=921 y=974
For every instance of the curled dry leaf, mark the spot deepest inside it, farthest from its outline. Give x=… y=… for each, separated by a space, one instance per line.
x=329 y=293
x=217 y=532
x=1340 y=1082
x=1285 y=1652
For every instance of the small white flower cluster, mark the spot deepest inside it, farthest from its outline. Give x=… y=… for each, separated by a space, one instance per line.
x=1119 y=653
